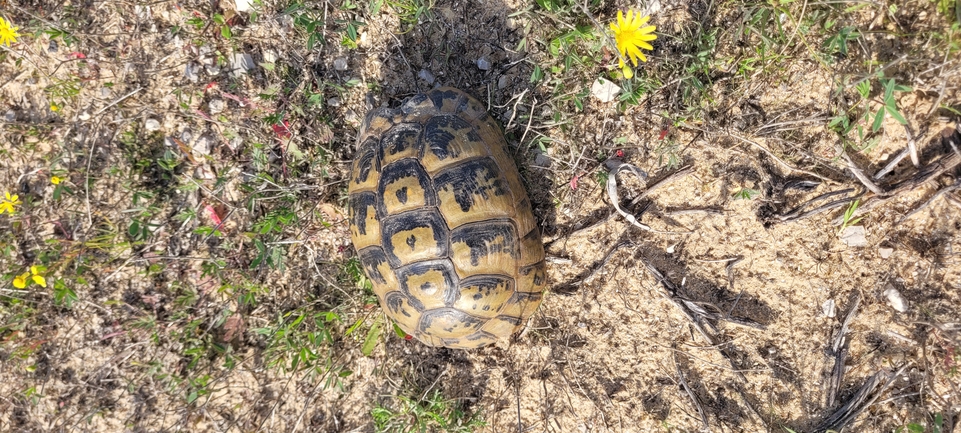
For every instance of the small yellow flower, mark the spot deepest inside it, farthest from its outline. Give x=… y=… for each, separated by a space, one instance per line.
x=8 y=203
x=8 y=33
x=55 y=180
x=36 y=277
x=20 y=281
x=630 y=38
x=54 y=107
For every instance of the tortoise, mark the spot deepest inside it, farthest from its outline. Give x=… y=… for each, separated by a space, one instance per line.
x=442 y=223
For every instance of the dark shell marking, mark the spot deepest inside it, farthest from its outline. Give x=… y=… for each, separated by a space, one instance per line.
x=442 y=225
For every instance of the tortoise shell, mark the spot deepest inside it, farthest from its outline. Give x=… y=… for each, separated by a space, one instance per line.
x=442 y=223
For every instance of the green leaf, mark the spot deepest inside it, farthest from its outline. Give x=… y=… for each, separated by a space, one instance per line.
x=371 y=341
x=878 y=118
x=225 y=32
x=893 y=111
x=400 y=332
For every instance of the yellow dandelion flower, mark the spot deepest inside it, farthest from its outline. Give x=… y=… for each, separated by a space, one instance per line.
x=8 y=33
x=36 y=277
x=8 y=203
x=631 y=37
x=20 y=281
x=54 y=107
x=55 y=180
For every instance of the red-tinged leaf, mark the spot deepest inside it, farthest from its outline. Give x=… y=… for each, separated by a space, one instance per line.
x=282 y=130
x=212 y=213
x=574 y=182
x=233 y=327
x=408 y=337
x=77 y=55
x=663 y=134
x=619 y=153
x=209 y=86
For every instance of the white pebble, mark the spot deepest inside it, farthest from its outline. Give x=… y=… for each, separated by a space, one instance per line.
x=604 y=90
x=340 y=64
x=483 y=64
x=151 y=125
x=895 y=299
x=216 y=106
x=829 y=308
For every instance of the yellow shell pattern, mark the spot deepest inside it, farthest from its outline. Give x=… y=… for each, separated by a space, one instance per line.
x=442 y=223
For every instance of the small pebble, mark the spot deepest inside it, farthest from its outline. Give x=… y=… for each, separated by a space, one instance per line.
x=502 y=82
x=829 y=308
x=216 y=106
x=190 y=72
x=334 y=102
x=483 y=64
x=340 y=64
x=241 y=63
x=854 y=236
x=885 y=252
x=84 y=116
x=895 y=299
x=10 y=116
x=151 y=125
x=426 y=75
x=604 y=90
x=242 y=5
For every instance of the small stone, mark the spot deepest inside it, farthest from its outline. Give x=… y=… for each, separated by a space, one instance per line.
x=426 y=75
x=190 y=72
x=242 y=5
x=270 y=56
x=84 y=116
x=53 y=46
x=895 y=299
x=186 y=136
x=334 y=102
x=541 y=159
x=203 y=145
x=502 y=82
x=340 y=64
x=241 y=63
x=885 y=252
x=10 y=116
x=203 y=172
x=483 y=64
x=671 y=249
x=854 y=236
x=151 y=125
x=604 y=90
x=212 y=69
x=217 y=106
x=829 y=308
x=235 y=144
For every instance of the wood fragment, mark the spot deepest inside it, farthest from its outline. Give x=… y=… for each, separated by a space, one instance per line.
x=926 y=203
x=799 y=212
x=893 y=163
x=928 y=172
x=869 y=393
x=858 y=173
x=912 y=147
x=572 y=286
x=839 y=347
x=669 y=291
x=682 y=172
x=690 y=393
